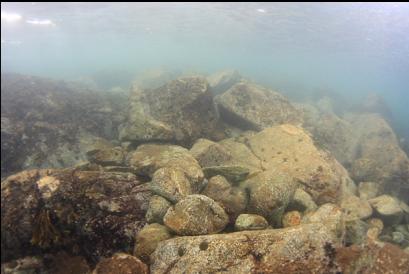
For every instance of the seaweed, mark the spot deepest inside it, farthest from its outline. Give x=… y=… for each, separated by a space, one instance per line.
x=44 y=233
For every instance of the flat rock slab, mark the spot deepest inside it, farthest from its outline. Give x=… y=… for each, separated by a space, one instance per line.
x=301 y=249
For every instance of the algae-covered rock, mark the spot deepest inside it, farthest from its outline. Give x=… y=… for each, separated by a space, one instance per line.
x=148 y=239
x=302 y=201
x=355 y=208
x=106 y=155
x=368 y=190
x=223 y=80
x=233 y=199
x=98 y=212
x=329 y=214
x=196 y=215
x=299 y=249
x=269 y=195
x=250 y=222
x=157 y=208
x=234 y=174
x=146 y=159
x=250 y=106
x=291 y=218
x=121 y=263
x=290 y=150
x=388 y=209
x=179 y=111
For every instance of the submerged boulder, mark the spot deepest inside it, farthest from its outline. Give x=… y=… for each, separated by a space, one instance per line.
x=250 y=222
x=223 y=80
x=196 y=215
x=121 y=263
x=96 y=212
x=179 y=111
x=158 y=206
x=388 y=208
x=300 y=249
x=250 y=106
x=289 y=150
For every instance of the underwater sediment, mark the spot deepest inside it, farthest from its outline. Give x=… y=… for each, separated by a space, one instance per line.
x=197 y=174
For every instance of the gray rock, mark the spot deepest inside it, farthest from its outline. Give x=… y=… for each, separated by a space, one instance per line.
x=356 y=232
x=157 y=208
x=368 y=190
x=388 y=209
x=233 y=199
x=298 y=249
x=196 y=215
x=250 y=222
x=223 y=80
x=269 y=195
x=249 y=106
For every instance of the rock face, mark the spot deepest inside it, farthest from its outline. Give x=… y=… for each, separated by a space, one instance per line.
x=269 y=195
x=250 y=222
x=250 y=106
x=196 y=215
x=290 y=150
x=121 y=263
x=146 y=159
x=233 y=199
x=44 y=122
x=179 y=111
x=301 y=249
x=100 y=212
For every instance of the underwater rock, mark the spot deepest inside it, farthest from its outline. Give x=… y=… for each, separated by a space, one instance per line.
x=121 y=263
x=172 y=184
x=291 y=218
x=196 y=215
x=250 y=222
x=300 y=249
x=99 y=212
x=329 y=214
x=155 y=78
x=388 y=208
x=223 y=80
x=234 y=174
x=157 y=208
x=368 y=190
x=43 y=121
x=105 y=154
x=26 y=265
x=355 y=208
x=250 y=106
x=290 y=150
x=302 y=201
x=228 y=153
x=232 y=199
x=372 y=258
x=148 y=239
x=180 y=111
x=355 y=232
x=148 y=158
x=269 y=195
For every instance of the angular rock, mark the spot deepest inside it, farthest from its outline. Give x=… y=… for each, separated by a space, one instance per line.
x=179 y=111
x=232 y=199
x=388 y=209
x=209 y=153
x=157 y=208
x=223 y=80
x=269 y=195
x=250 y=222
x=291 y=218
x=234 y=174
x=300 y=249
x=146 y=159
x=355 y=208
x=249 y=106
x=148 y=239
x=172 y=184
x=99 y=212
x=121 y=263
x=329 y=214
x=290 y=150
x=368 y=190
x=196 y=215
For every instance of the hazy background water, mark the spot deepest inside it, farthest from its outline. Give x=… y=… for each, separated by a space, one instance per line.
x=349 y=48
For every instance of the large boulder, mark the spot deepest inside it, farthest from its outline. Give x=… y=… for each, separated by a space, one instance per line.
x=250 y=106
x=290 y=150
x=300 y=249
x=388 y=208
x=269 y=195
x=196 y=215
x=96 y=212
x=180 y=111
x=148 y=158
x=223 y=80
